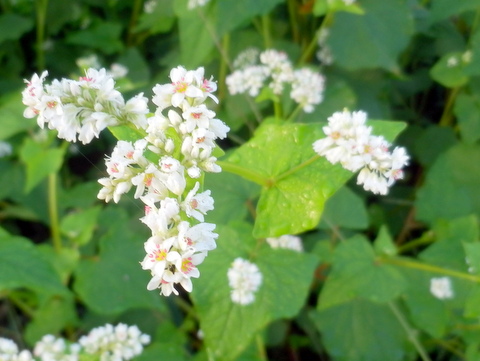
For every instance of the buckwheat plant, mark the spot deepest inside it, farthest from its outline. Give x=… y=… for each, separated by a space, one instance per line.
x=106 y=343
x=165 y=167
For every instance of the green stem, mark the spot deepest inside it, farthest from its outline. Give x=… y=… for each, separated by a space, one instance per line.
x=137 y=8
x=412 y=336
x=446 y=118
x=53 y=212
x=262 y=353
x=267 y=38
x=277 y=108
x=426 y=238
x=307 y=54
x=402 y=262
x=293 y=20
x=224 y=65
x=245 y=173
x=294 y=113
x=41 y=8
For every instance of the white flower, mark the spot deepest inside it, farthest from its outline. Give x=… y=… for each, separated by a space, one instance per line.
x=286 y=241
x=199 y=237
x=245 y=279
x=441 y=288
x=5 y=149
x=197 y=205
x=307 y=88
x=192 y=4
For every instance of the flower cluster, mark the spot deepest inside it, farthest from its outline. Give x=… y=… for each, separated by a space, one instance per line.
x=165 y=168
x=106 y=343
x=349 y=142
x=287 y=242
x=244 y=279
x=274 y=69
x=81 y=107
x=441 y=288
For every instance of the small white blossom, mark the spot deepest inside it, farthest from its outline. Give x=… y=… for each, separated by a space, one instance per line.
x=286 y=241
x=192 y=4
x=244 y=279
x=441 y=288
x=5 y=149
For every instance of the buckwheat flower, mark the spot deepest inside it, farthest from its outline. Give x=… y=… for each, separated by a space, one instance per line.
x=307 y=88
x=245 y=279
x=246 y=58
x=118 y=70
x=89 y=61
x=149 y=6
x=324 y=53
x=9 y=351
x=349 y=142
x=114 y=343
x=192 y=4
x=50 y=348
x=280 y=69
x=441 y=288
x=286 y=241
x=196 y=205
x=248 y=80
x=199 y=237
x=32 y=94
x=156 y=259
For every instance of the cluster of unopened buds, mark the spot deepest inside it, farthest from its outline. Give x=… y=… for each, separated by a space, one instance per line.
x=165 y=166
x=273 y=68
x=349 y=142
x=106 y=343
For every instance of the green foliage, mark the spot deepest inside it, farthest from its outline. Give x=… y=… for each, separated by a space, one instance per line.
x=362 y=287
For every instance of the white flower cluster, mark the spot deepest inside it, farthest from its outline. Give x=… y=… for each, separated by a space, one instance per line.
x=106 y=343
x=350 y=142
x=272 y=66
x=182 y=141
x=441 y=288
x=81 y=107
x=286 y=241
x=324 y=53
x=192 y=4
x=244 y=279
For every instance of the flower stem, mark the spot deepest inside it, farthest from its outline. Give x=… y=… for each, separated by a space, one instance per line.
x=53 y=212
x=244 y=172
x=409 y=331
x=137 y=7
x=262 y=354
x=41 y=8
x=314 y=42
x=297 y=168
x=224 y=66
x=402 y=262
x=267 y=38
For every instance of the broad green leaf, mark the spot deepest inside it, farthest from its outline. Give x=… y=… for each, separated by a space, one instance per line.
x=78 y=226
x=467 y=108
x=442 y=9
x=22 y=265
x=427 y=151
x=357 y=272
x=64 y=261
x=344 y=209
x=12 y=120
x=383 y=244
x=322 y=7
x=449 y=70
x=472 y=252
x=14 y=26
x=160 y=20
x=233 y=197
x=389 y=129
x=104 y=37
x=51 y=318
x=40 y=162
x=114 y=282
x=297 y=182
x=228 y=327
x=233 y=13
x=427 y=312
x=362 y=330
x=374 y=39
x=451 y=187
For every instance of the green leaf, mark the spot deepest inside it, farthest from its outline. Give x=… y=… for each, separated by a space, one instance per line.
x=233 y=196
x=383 y=244
x=297 y=182
x=344 y=209
x=114 y=282
x=127 y=132
x=12 y=120
x=322 y=7
x=160 y=20
x=466 y=109
x=356 y=272
x=51 y=318
x=362 y=330
x=79 y=225
x=389 y=129
x=40 y=162
x=229 y=327
x=449 y=70
x=14 y=26
x=104 y=36
x=452 y=180
x=442 y=9
x=23 y=265
x=376 y=39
